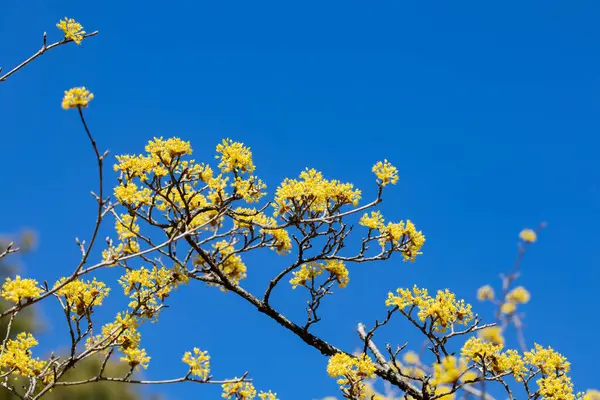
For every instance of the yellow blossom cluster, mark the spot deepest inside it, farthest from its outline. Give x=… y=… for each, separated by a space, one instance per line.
x=193 y=191
x=410 y=357
x=592 y=395
x=518 y=295
x=489 y=354
x=72 y=29
x=199 y=362
x=127 y=230
x=442 y=311
x=311 y=270
x=450 y=370
x=245 y=391
x=267 y=395
x=130 y=194
x=403 y=236
x=149 y=288
x=136 y=357
x=386 y=173
x=492 y=334
x=372 y=221
x=81 y=296
x=554 y=382
x=16 y=356
x=313 y=194
x=239 y=390
x=228 y=262
x=528 y=235
x=515 y=296
x=20 y=289
x=77 y=97
x=547 y=360
x=248 y=218
x=485 y=293
x=123 y=334
x=234 y=157
x=351 y=373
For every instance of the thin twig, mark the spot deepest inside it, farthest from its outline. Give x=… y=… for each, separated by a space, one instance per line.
x=41 y=51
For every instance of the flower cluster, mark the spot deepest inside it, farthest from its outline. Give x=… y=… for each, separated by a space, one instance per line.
x=72 y=29
x=313 y=195
x=148 y=289
x=528 y=235
x=123 y=334
x=352 y=372
x=442 y=311
x=248 y=218
x=492 y=334
x=245 y=391
x=77 y=97
x=403 y=236
x=199 y=362
x=81 y=296
x=449 y=371
x=386 y=173
x=20 y=289
x=239 y=390
x=16 y=356
x=227 y=261
x=309 y=271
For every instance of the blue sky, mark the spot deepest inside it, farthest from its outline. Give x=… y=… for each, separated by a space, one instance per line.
x=490 y=112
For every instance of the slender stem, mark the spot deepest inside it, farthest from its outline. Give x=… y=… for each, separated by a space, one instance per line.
x=100 y=199
x=39 y=53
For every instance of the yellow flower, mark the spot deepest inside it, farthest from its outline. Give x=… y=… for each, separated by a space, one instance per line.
x=492 y=334
x=351 y=371
x=199 y=362
x=339 y=271
x=374 y=221
x=306 y=272
x=547 y=360
x=556 y=387
x=136 y=358
x=77 y=97
x=404 y=238
x=267 y=395
x=485 y=293
x=164 y=151
x=410 y=357
x=476 y=349
x=508 y=308
x=486 y=353
x=129 y=194
x=386 y=173
x=469 y=376
x=72 y=29
x=313 y=194
x=15 y=290
x=251 y=189
x=518 y=295
x=16 y=356
x=444 y=310
x=311 y=270
x=81 y=296
x=241 y=390
x=592 y=395
x=449 y=370
x=126 y=227
x=528 y=235
x=234 y=157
